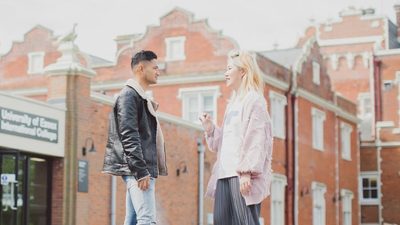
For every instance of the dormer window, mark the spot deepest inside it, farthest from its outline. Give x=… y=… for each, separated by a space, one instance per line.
x=316 y=72
x=36 y=62
x=175 y=48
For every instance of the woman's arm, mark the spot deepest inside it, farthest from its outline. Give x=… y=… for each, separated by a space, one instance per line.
x=256 y=148
x=214 y=138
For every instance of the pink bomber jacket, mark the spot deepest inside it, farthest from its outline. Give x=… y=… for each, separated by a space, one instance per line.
x=255 y=149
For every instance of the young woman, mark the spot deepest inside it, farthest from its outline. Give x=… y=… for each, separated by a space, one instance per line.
x=241 y=176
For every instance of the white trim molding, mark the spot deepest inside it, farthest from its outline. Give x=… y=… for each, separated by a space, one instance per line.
x=197 y=89
x=27 y=92
x=271 y=80
x=388 y=52
x=350 y=41
x=187 y=78
x=327 y=105
x=109 y=100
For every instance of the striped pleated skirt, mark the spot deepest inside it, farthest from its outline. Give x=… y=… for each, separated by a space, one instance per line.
x=230 y=207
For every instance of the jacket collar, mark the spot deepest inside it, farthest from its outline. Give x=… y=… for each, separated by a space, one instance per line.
x=135 y=85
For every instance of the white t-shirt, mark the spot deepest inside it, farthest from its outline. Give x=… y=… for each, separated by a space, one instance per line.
x=231 y=139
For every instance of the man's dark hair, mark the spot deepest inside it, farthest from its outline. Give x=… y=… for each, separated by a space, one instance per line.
x=142 y=56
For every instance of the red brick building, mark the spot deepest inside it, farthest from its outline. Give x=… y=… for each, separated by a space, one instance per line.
x=316 y=151
x=361 y=50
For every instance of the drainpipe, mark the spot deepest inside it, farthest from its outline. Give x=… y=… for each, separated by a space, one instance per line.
x=200 y=151
x=337 y=164
x=377 y=89
x=289 y=146
x=294 y=106
x=378 y=159
x=113 y=199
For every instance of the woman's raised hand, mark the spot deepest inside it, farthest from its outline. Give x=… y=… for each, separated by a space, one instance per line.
x=207 y=123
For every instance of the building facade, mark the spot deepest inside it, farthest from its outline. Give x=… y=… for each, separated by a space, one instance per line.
x=361 y=50
x=316 y=150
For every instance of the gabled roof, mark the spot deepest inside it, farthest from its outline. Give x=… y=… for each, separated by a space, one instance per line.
x=284 y=57
x=95 y=60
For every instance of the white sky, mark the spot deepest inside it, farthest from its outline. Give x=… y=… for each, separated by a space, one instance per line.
x=254 y=24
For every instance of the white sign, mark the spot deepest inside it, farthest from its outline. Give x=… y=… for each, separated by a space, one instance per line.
x=7 y=178
x=31 y=126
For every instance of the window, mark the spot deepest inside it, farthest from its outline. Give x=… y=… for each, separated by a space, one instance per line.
x=347 y=197
x=175 y=48
x=316 y=72
x=318 y=191
x=365 y=111
x=364 y=105
x=277 y=105
x=318 y=118
x=369 y=188
x=210 y=218
x=36 y=62
x=345 y=140
x=278 y=199
x=198 y=100
x=387 y=85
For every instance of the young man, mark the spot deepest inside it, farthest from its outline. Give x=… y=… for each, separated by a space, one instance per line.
x=135 y=147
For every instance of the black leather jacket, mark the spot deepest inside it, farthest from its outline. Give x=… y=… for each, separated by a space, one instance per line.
x=131 y=147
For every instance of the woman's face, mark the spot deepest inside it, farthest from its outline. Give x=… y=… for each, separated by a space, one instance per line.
x=233 y=76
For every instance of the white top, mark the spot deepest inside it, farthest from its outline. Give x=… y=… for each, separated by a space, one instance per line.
x=229 y=156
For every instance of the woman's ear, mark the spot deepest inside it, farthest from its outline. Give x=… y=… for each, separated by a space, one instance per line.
x=242 y=72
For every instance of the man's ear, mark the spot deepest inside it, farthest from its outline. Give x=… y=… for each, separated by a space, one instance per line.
x=139 y=68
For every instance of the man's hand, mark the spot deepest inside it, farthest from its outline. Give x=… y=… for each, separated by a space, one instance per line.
x=144 y=183
x=207 y=123
x=245 y=183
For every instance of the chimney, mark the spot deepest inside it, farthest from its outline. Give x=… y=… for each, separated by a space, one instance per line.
x=397 y=11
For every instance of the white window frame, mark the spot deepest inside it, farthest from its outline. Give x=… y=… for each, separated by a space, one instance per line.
x=347 y=197
x=277 y=104
x=316 y=73
x=361 y=100
x=31 y=56
x=199 y=92
x=318 y=192
x=318 y=122
x=345 y=140
x=168 y=43
x=210 y=218
x=369 y=175
x=279 y=182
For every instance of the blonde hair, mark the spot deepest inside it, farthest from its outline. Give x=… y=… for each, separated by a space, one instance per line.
x=252 y=80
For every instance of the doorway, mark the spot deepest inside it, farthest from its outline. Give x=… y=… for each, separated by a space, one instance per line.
x=25 y=189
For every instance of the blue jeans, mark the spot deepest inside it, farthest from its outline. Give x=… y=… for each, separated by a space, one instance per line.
x=140 y=205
